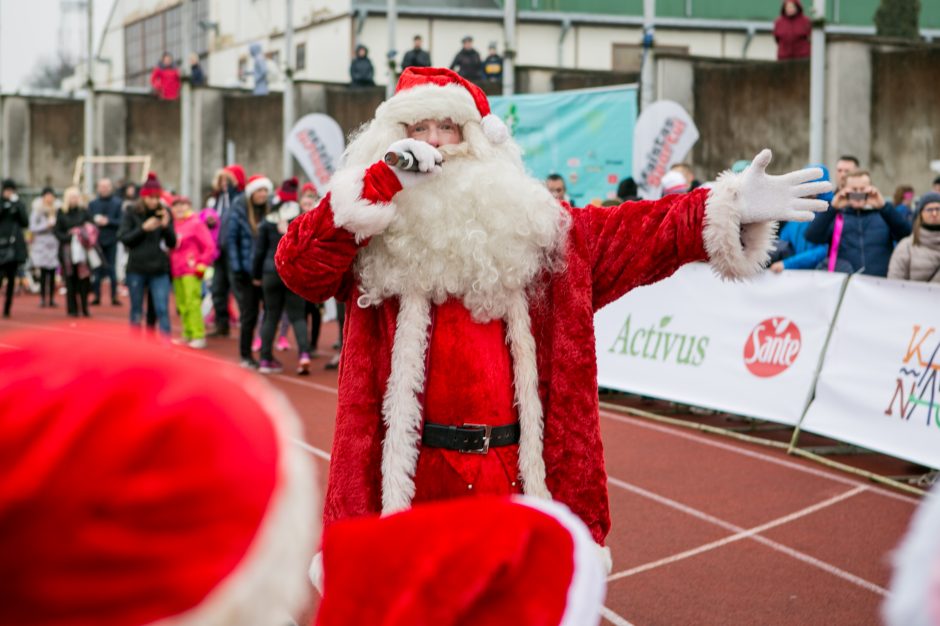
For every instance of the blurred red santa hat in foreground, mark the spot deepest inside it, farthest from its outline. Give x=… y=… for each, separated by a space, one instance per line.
x=915 y=585
x=486 y=560
x=138 y=486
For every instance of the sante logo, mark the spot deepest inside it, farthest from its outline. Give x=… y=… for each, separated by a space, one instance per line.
x=772 y=347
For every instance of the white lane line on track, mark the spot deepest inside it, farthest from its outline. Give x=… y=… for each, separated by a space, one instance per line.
x=742 y=533
x=675 y=432
x=613 y=618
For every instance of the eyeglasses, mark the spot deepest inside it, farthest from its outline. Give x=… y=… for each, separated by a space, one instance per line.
x=932 y=209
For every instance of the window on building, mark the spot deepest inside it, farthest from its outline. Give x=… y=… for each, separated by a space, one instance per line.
x=146 y=39
x=301 y=59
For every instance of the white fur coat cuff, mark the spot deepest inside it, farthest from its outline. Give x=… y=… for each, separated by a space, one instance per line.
x=735 y=251
x=354 y=213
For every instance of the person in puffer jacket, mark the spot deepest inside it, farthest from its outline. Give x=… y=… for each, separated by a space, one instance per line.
x=242 y=230
x=918 y=257
x=804 y=254
x=861 y=227
x=194 y=253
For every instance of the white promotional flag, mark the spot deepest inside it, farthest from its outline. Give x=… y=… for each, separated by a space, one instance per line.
x=750 y=348
x=663 y=136
x=317 y=142
x=879 y=387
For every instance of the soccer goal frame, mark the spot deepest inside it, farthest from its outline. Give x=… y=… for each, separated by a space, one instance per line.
x=80 y=162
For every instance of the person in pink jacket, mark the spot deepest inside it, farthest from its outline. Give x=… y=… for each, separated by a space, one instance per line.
x=194 y=253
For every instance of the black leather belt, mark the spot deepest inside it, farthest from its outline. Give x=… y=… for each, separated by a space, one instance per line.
x=469 y=438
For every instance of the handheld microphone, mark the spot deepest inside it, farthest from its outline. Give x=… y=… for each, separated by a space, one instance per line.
x=403 y=160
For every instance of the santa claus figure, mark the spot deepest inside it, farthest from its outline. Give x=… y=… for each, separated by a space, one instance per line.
x=469 y=354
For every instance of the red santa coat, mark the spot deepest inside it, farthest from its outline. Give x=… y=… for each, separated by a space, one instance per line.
x=608 y=252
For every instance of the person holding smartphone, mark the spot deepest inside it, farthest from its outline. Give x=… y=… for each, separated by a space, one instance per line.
x=147 y=233
x=860 y=226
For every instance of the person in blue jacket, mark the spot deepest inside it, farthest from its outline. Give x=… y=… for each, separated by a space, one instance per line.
x=862 y=225
x=804 y=255
x=247 y=213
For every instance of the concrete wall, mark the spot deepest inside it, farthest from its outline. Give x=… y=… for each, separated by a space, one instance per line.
x=55 y=141
x=153 y=127
x=255 y=126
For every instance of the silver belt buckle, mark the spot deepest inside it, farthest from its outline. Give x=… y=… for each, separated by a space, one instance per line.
x=487 y=435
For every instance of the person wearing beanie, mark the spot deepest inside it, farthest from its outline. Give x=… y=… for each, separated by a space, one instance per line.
x=13 y=219
x=793 y=251
x=148 y=234
x=146 y=488
x=189 y=260
x=228 y=186
x=917 y=257
x=674 y=182
x=44 y=251
x=247 y=214
x=469 y=363
x=278 y=299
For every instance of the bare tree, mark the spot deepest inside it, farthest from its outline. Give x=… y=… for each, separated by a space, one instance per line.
x=49 y=71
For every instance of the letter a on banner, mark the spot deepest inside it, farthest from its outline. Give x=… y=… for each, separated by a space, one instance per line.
x=663 y=136
x=316 y=141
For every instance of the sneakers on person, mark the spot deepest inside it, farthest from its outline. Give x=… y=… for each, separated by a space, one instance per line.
x=333 y=364
x=198 y=344
x=256 y=345
x=249 y=364
x=283 y=344
x=303 y=364
x=270 y=367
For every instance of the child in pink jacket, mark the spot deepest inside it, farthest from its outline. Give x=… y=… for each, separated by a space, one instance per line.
x=194 y=253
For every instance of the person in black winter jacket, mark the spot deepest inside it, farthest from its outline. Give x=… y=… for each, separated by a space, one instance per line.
x=147 y=233
x=417 y=56
x=277 y=297
x=467 y=63
x=73 y=220
x=13 y=219
x=361 y=73
x=860 y=227
x=247 y=213
x=493 y=65
x=107 y=215
x=228 y=187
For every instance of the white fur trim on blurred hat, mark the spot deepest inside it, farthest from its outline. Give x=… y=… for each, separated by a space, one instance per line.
x=258 y=182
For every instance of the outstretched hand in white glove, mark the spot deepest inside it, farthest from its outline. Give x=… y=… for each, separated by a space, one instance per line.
x=789 y=197
x=428 y=158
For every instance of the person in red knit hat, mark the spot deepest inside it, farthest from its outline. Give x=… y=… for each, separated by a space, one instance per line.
x=469 y=363
x=142 y=488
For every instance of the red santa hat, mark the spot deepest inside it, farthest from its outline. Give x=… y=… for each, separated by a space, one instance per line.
x=151 y=186
x=439 y=93
x=138 y=486
x=674 y=182
x=287 y=192
x=308 y=189
x=238 y=173
x=483 y=560
x=256 y=182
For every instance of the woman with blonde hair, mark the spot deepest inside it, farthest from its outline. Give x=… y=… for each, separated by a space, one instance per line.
x=917 y=257
x=78 y=254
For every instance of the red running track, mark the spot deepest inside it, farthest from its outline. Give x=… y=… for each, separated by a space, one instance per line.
x=706 y=530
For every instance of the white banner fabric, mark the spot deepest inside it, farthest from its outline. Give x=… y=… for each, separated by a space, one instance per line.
x=317 y=142
x=878 y=387
x=749 y=348
x=664 y=134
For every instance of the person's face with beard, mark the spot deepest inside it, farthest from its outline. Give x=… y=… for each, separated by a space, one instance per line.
x=436 y=132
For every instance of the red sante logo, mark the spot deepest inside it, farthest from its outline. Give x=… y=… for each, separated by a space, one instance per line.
x=772 y=347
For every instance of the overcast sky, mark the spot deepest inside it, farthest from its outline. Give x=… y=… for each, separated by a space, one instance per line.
x=29 y=30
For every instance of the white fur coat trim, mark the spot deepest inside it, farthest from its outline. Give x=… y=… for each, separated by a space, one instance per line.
x=350 y=211
x=735 y=251
x=429 y=102
x=268 y=586
x=403 y=413
x=401 y=408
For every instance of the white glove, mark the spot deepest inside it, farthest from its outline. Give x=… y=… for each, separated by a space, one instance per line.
x=789 y=197
x=429 y=161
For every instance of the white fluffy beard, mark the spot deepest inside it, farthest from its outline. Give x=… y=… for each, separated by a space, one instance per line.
x=481 y=230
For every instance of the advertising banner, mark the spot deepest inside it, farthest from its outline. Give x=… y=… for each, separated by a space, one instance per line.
x=585 y=135
x=878 y=387
x=664 y=135
x=750 y=348
x=317 y=142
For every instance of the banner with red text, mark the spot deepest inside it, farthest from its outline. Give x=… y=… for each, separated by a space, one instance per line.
x=879 y=387
x=317 y=142
x=749 y=348
x=663 y=137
